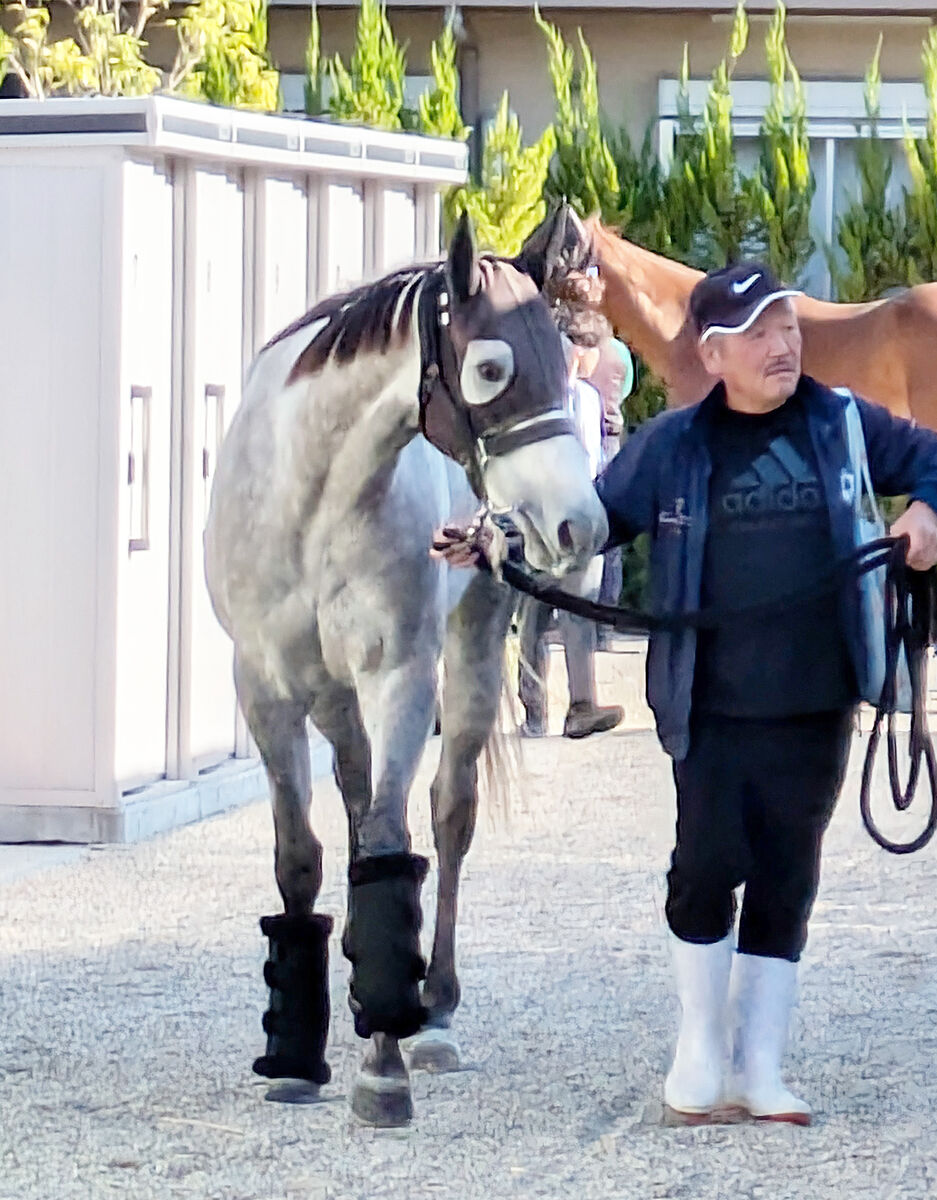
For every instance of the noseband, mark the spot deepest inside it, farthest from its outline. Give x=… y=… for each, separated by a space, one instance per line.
x=468 y=433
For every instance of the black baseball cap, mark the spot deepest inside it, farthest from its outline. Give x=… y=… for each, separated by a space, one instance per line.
x=732 y=299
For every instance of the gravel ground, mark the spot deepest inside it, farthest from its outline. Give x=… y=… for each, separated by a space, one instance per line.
x=132 y=993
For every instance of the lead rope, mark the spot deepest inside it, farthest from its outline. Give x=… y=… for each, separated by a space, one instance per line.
x=869 y=557
x=909 y=618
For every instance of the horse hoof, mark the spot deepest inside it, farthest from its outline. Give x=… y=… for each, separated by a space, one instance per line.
x=382 y=1101
x=434 y=1050
x=293 y=1091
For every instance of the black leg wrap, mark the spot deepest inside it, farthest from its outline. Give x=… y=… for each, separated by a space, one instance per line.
x=382 y=942
x=297 y=1021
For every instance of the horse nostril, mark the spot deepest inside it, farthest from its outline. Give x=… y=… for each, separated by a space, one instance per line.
x=565 y=537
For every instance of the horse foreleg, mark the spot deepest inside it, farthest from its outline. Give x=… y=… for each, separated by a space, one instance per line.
x=336 y=715
x=279 y=729
x=474 y=655
x=296 y=971
x=381 y=1095
x=398 y=710
x=382 y=933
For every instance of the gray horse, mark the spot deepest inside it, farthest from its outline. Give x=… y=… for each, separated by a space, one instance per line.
x=363 y=427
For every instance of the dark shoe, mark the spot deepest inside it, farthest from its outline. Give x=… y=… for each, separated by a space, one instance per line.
x=584 y=718
x=533 y=726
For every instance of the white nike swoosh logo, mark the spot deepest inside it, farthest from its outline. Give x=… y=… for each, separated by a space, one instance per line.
x=745 y=284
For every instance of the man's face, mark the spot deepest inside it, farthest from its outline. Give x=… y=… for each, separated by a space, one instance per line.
x=761 y=365
x=608 y=378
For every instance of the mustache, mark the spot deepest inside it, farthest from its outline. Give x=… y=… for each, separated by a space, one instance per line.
x=783 y=366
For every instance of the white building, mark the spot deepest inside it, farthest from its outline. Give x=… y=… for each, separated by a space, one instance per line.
x=150 y=248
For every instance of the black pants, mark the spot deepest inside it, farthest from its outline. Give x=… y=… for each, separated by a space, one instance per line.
x=754 y=798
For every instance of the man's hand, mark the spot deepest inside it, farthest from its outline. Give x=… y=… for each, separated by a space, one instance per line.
x=919 y=523
x=455 y=545
x=477 y=543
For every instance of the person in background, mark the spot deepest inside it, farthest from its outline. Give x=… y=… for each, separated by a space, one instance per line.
x=584 y=332
x=613 y=379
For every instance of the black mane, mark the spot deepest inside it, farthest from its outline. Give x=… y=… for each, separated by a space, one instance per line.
x=366 y=319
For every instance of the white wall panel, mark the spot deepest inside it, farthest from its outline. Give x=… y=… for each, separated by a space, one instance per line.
x=345 y=251
x=50 y=347
x=399 y=227
x=215 y=329
x=144 y=415
x=284 y=271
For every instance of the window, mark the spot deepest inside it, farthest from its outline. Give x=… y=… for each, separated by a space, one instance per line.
x=835 y=117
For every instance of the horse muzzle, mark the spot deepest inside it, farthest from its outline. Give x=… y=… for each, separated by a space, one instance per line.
x=547 y=491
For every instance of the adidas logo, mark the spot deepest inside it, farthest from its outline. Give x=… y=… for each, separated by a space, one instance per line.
x=779 y=481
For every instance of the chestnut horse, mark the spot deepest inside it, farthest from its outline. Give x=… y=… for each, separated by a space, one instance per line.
x=881 y=350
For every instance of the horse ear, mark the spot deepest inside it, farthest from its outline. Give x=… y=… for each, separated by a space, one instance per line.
x=559 y=242
x=462 y=267
x=541 y=244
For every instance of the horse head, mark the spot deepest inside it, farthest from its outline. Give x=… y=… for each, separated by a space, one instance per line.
x=559 y=245
x=494 y=393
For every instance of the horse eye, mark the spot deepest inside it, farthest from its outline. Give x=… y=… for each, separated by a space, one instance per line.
x=491 y=371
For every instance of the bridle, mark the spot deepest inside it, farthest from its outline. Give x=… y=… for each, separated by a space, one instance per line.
x=468 y=433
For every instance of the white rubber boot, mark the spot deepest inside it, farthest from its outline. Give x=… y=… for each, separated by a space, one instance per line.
x=695 y=1084
x=763 y=994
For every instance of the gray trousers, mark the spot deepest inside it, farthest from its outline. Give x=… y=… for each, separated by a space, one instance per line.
x=612 y=577
x=610 y=591
x=578 y=634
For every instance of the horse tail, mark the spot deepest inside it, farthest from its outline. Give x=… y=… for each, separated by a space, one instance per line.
x=502 y=755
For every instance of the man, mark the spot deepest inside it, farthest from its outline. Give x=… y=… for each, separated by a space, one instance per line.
x=584 y=331
x=748 y=495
